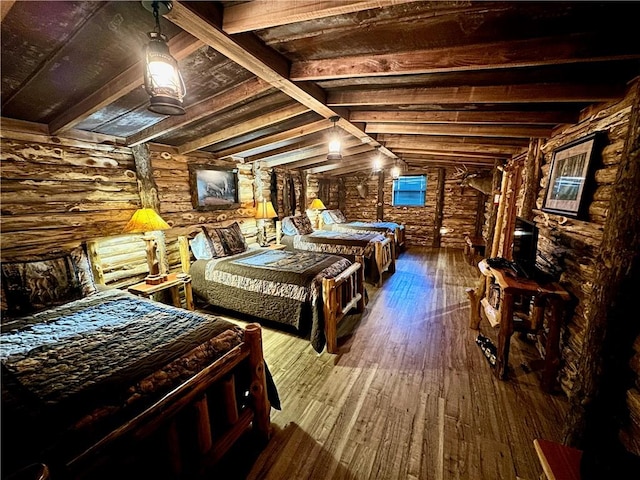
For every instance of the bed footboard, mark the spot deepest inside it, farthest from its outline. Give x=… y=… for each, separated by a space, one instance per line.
x=189 y=436
x=340 y=295
x=399 y=237
x=385 y=257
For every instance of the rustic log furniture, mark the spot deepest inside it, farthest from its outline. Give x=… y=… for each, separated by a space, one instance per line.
x=510 y=287
x=340 y=294
x=179 y=388
x=173 y=283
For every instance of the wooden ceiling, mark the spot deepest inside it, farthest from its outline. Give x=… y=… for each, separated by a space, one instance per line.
x=428 y=82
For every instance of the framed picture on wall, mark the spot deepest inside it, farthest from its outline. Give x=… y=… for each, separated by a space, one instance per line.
x=569 y=177
x=212 y=187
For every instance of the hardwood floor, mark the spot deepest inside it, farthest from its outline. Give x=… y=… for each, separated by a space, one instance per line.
x=410 y=396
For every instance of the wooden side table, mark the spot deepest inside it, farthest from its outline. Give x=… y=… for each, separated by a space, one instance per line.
x=549 y=294
x=173 y=283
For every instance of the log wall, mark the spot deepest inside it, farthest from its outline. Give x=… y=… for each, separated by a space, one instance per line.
x=570 y=245
x=459 y=209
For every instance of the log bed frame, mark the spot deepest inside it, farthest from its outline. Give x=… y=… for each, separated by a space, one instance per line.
x=182 y=417
x=385 y=256
x=340 y=294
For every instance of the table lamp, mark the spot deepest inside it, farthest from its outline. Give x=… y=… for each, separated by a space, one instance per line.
x=264 y=211
x=317 y=205
x=146 y=220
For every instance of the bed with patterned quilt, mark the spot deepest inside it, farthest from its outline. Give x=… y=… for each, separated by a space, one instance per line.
x=373 y=249
x=335 y=220
x=95 y=383
x=308 y=291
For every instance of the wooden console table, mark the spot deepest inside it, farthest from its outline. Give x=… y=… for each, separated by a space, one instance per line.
x=511 y=286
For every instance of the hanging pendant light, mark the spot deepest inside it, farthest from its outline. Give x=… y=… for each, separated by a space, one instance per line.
x=162 y=79
x=377 y=160
x=335 y=148
x=395 y=171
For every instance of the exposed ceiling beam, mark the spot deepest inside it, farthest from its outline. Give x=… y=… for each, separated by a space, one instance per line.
x=298 y=154
x=499 y=150
x=245 y=149
x=247 y=89
x=246 y=51
x=421 y=140
x=461 y=129
x=181 y=46
x=420 y=164
x=273 y=152
x=447 y=153
x=528 y=93
x=356 y=160
x=245 y=17
x=248 y=126
x=348 y=151
x=485 y=56
x=462 y=116
x=444 y=159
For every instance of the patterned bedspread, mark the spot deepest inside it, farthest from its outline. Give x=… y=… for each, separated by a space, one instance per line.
x=364 y=227
x=277 y=285
x=74 y=372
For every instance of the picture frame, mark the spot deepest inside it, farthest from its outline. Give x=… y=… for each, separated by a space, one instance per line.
x=213 y=187
x=570 y=177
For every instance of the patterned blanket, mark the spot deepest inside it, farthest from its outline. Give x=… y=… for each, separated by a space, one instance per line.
x=73 y=373
x=276 y=285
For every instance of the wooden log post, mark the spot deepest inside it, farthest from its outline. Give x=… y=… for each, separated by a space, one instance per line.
x=493 y=216
x=531 y=178
x=258 y=389
x=439 y=214
x=380 y=199
x=495 y=246
x=598 y=396
x=185 y=255
x=96 y=263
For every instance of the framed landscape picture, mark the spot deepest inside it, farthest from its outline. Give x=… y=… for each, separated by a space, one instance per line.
x=569 y=177
x=212 y=187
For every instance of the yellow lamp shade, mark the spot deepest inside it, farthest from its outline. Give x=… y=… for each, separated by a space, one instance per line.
x=317 y=204
x=145 y=220
x=265 y=210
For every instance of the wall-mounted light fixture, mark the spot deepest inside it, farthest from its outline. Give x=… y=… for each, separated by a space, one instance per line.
x=335 y=147
x=377 y=160
x=396 y=171
x=162 y=79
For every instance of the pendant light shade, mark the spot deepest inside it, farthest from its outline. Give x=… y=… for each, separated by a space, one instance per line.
x=335 y=147
x=162 y=79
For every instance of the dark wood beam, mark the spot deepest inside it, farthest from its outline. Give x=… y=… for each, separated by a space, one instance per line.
x=210 y=106
x=256 y=123
x=427 y=140
x=359 y=162
x=251 y=54
x=449 y=153
x=246 y=148
x=454 y=116
x=349 y=150
x=299 y=157
x=273 y=152
x=529 y=93
x=245 y=17
x=485 y=56
x=181 y=46
x=533 y=131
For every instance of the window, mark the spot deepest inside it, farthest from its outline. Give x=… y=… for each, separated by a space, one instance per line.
x=409 y=191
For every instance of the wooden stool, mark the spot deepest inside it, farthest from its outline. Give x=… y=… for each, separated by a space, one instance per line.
x=559 y=462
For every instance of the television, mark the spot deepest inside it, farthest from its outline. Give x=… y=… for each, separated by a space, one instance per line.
x=525 y=246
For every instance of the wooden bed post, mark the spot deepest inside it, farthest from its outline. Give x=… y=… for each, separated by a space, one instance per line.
x=258 y=389
x=185 y=257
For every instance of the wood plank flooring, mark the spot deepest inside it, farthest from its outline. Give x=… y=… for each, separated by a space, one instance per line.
x=410 y=396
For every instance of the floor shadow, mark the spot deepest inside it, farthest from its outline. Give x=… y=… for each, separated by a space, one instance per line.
x=251 y=459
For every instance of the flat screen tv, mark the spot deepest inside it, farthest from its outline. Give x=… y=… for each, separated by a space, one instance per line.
x=525 y=245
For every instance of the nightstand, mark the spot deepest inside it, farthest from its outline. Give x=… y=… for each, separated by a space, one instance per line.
x=173 y=283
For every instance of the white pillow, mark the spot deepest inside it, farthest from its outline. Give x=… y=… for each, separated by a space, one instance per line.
x=200 y=247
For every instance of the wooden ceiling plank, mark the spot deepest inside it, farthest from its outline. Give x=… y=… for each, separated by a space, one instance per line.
x=207 y=107
x=527 y=93
x=462 y=116
x=486 y=56
x=356 y=161
x=246 y=17
x=349 y=150
x=245 y=149
x=265 y=63
x=243 y=128
x=297 y=154
x=271 y=152
x=422 y=140
x=448 y=153
x=181 y=46
x=461 y=129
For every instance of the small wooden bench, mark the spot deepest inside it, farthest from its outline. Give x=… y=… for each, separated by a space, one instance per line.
x=474 y=247
x=559 y=462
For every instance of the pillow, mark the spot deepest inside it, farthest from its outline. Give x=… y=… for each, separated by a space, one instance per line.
x=85 y=274
x=327 y=218
x=288 y=228
x=201 y=247
x=29 y=287
x=232 y=239
x=302 y=224
x=338 y=216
